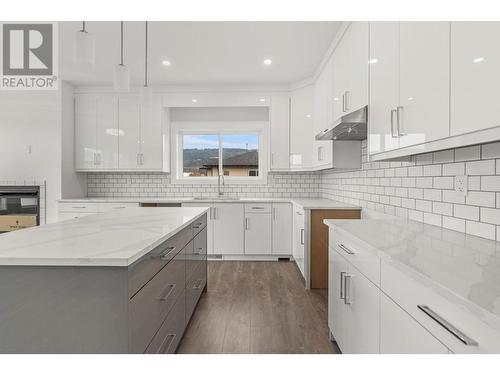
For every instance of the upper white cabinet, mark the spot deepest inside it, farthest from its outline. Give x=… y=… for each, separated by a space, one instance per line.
x=350 y=70
x=116 y=132
x=301 y=127
x=280 y=131
x=96 y=132
x=475 y=77
x=409 y=84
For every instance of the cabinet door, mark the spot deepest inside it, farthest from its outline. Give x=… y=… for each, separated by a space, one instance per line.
x=258 y=239
x=401 y=334
x=301 y=128
x=384 y=86
x=151 y=135
x=85 y=132
x=210 y=224
x=228 y=228
x=363 y=313
x=107 y=132
x=337 y=309
x=424 y=82
x=299 y=238
x=475 y=76
x=280 y=131
x=322 y=114
x=282 y=229
x=129 y=119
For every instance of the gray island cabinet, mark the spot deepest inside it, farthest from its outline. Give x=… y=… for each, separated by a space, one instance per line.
x=124 y=282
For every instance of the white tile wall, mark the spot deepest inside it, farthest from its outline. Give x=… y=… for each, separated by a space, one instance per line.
x=425 y=186
x=279 y=185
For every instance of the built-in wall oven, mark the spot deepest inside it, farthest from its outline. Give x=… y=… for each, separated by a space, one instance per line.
x=19 y=207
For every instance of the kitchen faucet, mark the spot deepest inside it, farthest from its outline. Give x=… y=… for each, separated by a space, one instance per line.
x=221 y=192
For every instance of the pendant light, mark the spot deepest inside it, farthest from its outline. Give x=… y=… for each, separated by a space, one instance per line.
x=122 y=72
x=84 y=47
x=146 y=92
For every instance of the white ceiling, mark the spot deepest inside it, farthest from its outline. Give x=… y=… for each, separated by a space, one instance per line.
x=202 y=53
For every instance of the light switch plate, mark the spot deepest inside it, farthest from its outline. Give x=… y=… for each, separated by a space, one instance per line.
x=461 y=185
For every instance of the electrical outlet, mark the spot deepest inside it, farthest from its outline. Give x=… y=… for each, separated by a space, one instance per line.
x=461 y=185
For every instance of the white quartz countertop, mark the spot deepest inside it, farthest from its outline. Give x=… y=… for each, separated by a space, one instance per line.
x=465 y=265
x=305 y=203
x=115 y=238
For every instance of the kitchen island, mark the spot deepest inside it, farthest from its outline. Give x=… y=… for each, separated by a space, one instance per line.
x=124 y=281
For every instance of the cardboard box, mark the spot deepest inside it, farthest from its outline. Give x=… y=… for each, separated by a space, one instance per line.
x=12 y=222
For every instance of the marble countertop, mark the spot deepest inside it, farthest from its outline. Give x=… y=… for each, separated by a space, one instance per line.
x=305 y=203
x=116 y=238
x=465 y=265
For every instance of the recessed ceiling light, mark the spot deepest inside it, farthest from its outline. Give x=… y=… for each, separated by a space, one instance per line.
x=194 y=100
x=308 y=116
x=479 y=59
x=372 y=61
x=262 y=99
x=166 y=63
x=335 y=99
x=268 y=62
x=410 y=98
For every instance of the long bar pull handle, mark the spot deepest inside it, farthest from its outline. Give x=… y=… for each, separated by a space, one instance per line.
x=165 y=253
x=346 y=249
x=347 y=289
x=165 y=345
x=246 y=223
x=342 y=294
x=393 y=115
x=466 y=340
x=274 y=213
x=400 y=118
x=347 y=100
x=167 y=292
x=343 y=103
x=302 y=236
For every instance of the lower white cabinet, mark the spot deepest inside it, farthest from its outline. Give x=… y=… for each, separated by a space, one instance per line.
x=74 y=210
x=228 y=221
x=396 y=329
x=258 y=234
x=299 y=238
x=353 y=307
x=282 y=229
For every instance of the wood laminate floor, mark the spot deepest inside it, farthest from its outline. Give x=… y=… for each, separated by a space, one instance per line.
x=258 y=307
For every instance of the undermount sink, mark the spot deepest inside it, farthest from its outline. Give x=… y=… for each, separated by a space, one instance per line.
x=221 y=198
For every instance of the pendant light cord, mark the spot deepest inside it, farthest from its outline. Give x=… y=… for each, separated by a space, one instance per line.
x=146 y=59
x=121 y=43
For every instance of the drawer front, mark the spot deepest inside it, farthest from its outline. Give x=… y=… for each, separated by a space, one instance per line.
x=196 y=253
x=410 y=293
x=170 y=333
x=199 y=224
x=91 y=207
x=145 y=268
x=356 y=253
x=263 y=208
x=105 y=207
x=72 y=215
x=194 y=289
x=149 y=307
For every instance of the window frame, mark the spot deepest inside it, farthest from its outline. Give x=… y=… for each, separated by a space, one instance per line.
x=257 y=128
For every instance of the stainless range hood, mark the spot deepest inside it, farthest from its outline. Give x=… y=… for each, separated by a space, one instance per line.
x=350 y=127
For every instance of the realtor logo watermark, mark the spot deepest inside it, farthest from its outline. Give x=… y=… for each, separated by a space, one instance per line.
x=28 y=56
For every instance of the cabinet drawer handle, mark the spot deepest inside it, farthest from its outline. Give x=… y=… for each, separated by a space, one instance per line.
x=342 y=294
x=302 y=236
x=167 y=341
x=167 y=292
x=197 y=225
x=247 y=225
x=199 y=250
x=346 y=249
x=447 y=325
x=198 y=284
x=163 y=255
x=79 y=207
x=347 y=289
x=258 y=208
x=118 y=207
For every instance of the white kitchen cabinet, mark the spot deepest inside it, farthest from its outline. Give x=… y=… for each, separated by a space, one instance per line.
x=384 y=86
x=210 y=224
x=280 y=131
x=228 y=221
x=424 y=60
x=350 y=70
x=151 y=136
x=299 y=238
x=282 y=229
x=337 y=308
x=401 y=334
x=258 y=238
x=475 y=76
x=409 y=84
x=129 y=119
x=107 y=132
x=301 y=127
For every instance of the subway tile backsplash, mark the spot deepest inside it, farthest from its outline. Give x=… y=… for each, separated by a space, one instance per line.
x=423 y=189
x=279 y=185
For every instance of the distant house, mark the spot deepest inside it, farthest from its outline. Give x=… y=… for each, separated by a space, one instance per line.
x=245 y=164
